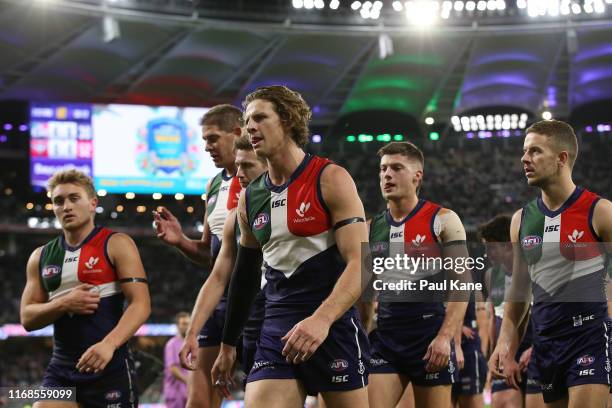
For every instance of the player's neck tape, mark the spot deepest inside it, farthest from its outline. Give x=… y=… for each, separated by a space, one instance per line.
x=347 y=221
x=131 y=280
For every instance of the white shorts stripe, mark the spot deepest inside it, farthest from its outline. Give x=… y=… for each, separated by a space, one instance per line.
x=358 y=349
x=607 y=346
x=476 y=361
x=132 y=394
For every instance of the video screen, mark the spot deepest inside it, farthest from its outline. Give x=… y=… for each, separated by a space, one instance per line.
x=125 y=148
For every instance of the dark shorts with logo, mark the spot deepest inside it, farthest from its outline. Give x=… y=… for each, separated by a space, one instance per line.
x=581 y=357
x=113 y=388
x=474 y=373
x=530 y=381
x=212 y=332
x=339 y=364
x=402 y=351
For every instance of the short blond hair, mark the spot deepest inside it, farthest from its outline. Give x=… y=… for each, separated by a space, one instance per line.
x=72 y=176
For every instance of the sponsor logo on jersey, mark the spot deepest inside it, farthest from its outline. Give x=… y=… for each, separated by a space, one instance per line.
x=112 y=395
x=91 y=262
x=608 y=368
x=531 y=241
x=339 y=378
x=586 y=371
x=279 y=203
x=50 y=271
x=261 y=221
x=451 y=366
x=552 y=228
x=71 y=259
x=432 y=376
x=224 y=188
x=379 y=247
x=546 y=387
x=576 y=235
x=585 y=360
x=397 y=234
x=304 y=207
x=418 y=240
x=338 y=365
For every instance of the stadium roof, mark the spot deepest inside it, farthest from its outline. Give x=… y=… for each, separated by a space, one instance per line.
x=202 y=53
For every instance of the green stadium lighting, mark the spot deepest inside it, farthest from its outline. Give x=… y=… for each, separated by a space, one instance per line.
x=350 y=138
x=362 y=138
x=398 y=138
x=434 y=136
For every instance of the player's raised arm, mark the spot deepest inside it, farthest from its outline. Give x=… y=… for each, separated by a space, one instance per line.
x=169 y=230
x=348 y=218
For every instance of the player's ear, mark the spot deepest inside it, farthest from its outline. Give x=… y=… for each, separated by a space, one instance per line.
x=563 y=159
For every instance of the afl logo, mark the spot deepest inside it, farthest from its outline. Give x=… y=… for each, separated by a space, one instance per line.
x=261 y=221
x=531 y=241
x=112 y=395
x=585 y=361
x=50 y=271
x=338 y=365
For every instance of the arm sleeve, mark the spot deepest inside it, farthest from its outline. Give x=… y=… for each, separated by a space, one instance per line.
x=244 y=285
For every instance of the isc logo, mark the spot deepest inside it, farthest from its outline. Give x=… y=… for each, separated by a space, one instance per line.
x=432 y=376
x=279 y=203
x=397 y=234
x=588 y=371
x=552 y=228
x=72 y=259
x=339 y=378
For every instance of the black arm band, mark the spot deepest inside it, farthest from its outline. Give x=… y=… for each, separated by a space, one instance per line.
x=130 y=280
x=244 y=286
x=453 y=243
x=347 y=221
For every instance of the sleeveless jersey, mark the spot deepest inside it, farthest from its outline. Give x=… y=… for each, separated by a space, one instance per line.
x=500 y=284
x=292 y=224
x=415 y=236
x=565 y=263
x=222 y=197
x=62 y=268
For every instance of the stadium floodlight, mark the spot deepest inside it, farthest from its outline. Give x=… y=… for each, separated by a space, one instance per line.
x=521 y=4
x=179 y=196
x=491 y=5
x=355 y=5
x=576 y=8
x=470 y=5
x=101 y=193
x=334 y=4
x=458 y=6
x=297 y=4
x=157 y=196
x=367 y=5
x=599 y=6
x=374 y=14
x=481 y=5
x=308 y=4
x=588 y=8
x=546 y=115
x=377 y=5
x=455 y=120
x=421 y=13
x=501 y=5
x=319 y=4
x=397 y=6
x=130 y=196
x=365 y=13
x=429 y=120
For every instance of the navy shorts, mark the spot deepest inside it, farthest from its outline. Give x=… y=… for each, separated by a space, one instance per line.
x=581 y=357
x=112 y=387
x=211 y=334
x=402 y=352
x=339 y=364
x=474 y=373
x=530 y=380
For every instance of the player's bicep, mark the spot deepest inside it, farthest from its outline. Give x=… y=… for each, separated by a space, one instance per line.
x=602 y=223
x=346 y=211
x=247 y=239
x=131 y=274
x=451 y=227
x=33 y=291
